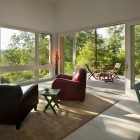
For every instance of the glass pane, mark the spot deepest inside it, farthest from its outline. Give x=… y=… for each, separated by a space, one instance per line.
x=17 y=76
x=44 y=48
x=85 y=48
x=17 y=47
x=44 y=73
x=103 y=47
x=137 y=52
x=68 y=54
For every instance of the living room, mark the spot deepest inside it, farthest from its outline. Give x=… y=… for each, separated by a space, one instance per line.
x=61 y=17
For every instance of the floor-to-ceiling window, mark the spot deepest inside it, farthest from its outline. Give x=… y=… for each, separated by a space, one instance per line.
x=95 y=47
x=24 y=56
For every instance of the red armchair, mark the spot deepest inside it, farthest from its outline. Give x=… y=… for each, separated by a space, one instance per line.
x=72 y=87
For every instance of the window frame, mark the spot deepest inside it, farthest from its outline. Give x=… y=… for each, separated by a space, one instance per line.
x=36 y=66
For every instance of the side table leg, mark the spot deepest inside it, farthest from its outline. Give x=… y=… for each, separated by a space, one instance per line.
x=52 y=107
x=49 y=104
x=55 y=102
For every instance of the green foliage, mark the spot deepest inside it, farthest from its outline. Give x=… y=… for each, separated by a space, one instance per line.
x=85 y=48
x=109 y=50
x=85 y=56
x=18 y=76
x=43 y=49
x=83 y=38
x=43 y=73
x=114 y=44
x=68 y=68
x=21 y=51
x=137 y=50
x=68 y=54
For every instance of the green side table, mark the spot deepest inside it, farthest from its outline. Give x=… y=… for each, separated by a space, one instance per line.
x=50 y=97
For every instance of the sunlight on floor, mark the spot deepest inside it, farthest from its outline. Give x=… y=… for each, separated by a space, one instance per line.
x=136 y=116
x=120 y=126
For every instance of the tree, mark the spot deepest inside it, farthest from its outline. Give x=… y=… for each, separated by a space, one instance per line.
x=115 y=47
x=85 y=48
x=43 y=49
x=21 y=51
x=68 y=54
x=109 y=50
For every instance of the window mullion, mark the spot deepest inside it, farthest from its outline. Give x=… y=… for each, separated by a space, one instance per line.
x=37 y=56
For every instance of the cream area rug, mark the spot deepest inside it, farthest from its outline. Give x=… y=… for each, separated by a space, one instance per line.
x=48 y=126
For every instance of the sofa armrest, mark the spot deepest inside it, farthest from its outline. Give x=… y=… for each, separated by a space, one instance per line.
x=29 y=100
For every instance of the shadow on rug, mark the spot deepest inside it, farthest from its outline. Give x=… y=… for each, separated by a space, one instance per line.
x=48 y=126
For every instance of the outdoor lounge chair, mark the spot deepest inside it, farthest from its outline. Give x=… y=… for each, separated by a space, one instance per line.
x=94 y=73
x=100 y=75
x=115 y=70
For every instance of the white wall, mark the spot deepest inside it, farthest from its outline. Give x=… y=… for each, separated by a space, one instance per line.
x=77 y=14
x=36 y=15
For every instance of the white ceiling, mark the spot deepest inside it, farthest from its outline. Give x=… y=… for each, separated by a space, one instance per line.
x=55 y=1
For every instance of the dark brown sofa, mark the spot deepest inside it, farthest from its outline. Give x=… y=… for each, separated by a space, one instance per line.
x=16 y=104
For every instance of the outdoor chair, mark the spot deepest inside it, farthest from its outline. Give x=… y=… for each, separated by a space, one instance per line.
x=95 y=73
x=71 y=87
x=100 y=74
x=108 y=68
x=115 y=70
x=137 y=90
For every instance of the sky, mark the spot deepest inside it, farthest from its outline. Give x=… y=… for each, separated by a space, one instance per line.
x=7 y=33
x=5 y=36
x=102 y=31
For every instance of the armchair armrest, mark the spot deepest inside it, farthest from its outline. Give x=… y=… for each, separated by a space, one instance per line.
x=64 y=76
x=60 y=82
